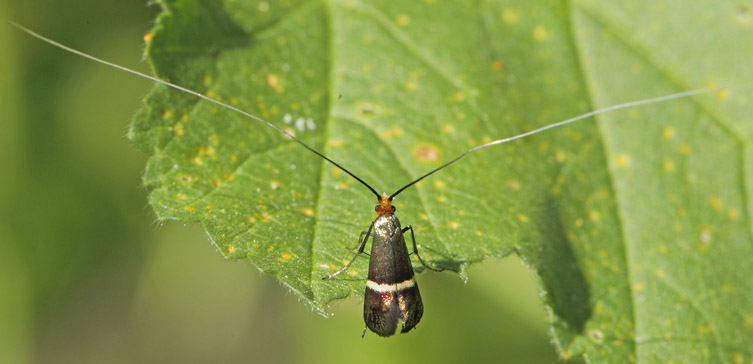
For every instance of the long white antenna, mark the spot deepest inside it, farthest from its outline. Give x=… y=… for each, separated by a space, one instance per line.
x=192 y=92
x=562 y=123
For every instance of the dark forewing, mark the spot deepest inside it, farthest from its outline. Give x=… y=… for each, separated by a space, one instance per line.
x=411 y=307
x=380 y=312
x=391 y=292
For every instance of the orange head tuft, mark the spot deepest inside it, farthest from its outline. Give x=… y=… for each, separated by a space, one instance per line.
x=385 y=207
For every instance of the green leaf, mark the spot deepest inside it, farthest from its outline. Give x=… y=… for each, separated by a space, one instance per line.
x=637 y=223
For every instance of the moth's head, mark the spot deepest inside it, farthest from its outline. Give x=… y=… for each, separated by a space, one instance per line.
x=384 y=208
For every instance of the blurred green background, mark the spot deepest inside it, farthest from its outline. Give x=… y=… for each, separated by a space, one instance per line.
x=88 y=276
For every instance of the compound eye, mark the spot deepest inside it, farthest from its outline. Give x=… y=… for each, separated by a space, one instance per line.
x=376 y=208
x=393 y=208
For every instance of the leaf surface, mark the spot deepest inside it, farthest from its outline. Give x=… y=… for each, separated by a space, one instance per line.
x=637 y=223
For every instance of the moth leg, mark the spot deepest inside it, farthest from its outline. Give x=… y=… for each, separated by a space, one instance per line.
x=360 y=250
x=415 y=250
x=353 y=249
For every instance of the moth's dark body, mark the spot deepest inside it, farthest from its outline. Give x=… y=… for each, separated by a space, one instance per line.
x=391 y=292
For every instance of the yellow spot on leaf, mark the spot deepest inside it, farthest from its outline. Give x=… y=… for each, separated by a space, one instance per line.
x=178 y=129
x=748 y=322
x=189 y=208
x=148 y=37
x=559 y=156
x=454 y=224
x=733 y=214
x=660 y=273
x=512 y=183
x=622 y=160
x=668 y=132
x=273 y=81
x=230 y=248
x=509 y=16
x=251 y=219
x=402 y=20
x=599 y=309
x=722 y=94
x=737 y=358
x=426 y=153
x=441 y=199
x=308 y=212
x=439 y=184
x=411 y=85
x=638 y=287
x=716 y=204
x=540 y=33
x=497 y=66
x=668 y=166
x=684 y=149
x=523 y=218
x=336 y=143
x=594 y=215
